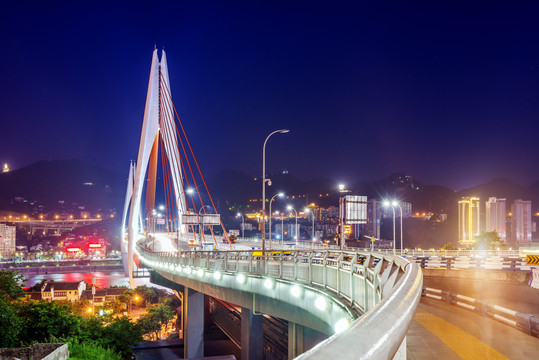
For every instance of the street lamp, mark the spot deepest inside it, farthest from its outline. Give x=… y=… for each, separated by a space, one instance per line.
x=289 y=207
x=279 y=195
x=242 y=226
x=312 y=213
x=282 y=131
x=386 y=204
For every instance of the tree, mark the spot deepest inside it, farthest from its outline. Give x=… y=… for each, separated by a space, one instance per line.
x=44 y=320
x=127 y=297
x=116 y=305
x=488 y=241
x=11 y=325
x=149 y=325
x=149 y=295
x=119 y=334
x=10 y=287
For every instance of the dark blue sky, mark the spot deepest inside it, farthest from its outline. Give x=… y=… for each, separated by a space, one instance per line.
x=445 y=92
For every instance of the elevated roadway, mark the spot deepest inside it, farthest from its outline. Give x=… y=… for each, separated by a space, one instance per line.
x=363 y=301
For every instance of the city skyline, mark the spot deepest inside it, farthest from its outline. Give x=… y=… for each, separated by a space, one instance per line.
x=366 y=89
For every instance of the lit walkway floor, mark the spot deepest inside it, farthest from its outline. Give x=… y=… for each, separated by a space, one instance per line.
x=443 y=331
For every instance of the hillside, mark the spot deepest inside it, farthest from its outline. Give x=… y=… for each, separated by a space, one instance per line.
x=45 y=185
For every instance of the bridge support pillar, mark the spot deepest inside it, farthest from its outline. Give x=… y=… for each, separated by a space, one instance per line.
x=295 y=340
x=252 y=336
x=193 y=323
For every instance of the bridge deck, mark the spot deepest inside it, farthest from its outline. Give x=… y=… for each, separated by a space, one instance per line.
x=442 y=331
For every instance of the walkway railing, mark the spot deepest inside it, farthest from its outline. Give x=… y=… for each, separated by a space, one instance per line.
x=382 y=290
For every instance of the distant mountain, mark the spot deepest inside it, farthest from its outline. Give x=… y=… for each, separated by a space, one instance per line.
x=500 y=188
x=68 y=184
x=61 y=184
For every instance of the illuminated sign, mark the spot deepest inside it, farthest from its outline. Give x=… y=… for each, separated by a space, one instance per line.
x=347 y=230
x=95 y=245
x=73 y=249
x=355 y=209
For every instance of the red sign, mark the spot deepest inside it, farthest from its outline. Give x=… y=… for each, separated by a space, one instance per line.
x=73 y=249
x=95 y=245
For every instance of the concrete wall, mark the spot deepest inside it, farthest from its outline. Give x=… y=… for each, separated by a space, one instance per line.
x=37 y=352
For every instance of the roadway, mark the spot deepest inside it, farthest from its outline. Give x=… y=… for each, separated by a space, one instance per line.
x=443 y=331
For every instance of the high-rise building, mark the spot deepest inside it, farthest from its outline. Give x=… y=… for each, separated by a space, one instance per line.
x=469 y=224
x=373 y=219
x=521 y=222
x=496 y=216
x=7 y=240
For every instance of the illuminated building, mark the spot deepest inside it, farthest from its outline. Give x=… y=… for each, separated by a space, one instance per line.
x=7 y=240
x=496 y=216
x=373 y=219
x=469 y=224
x=521 y=222
x=5 y=168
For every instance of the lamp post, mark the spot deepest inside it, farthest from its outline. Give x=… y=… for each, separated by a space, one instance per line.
x=279 y=195
x=396 y=203
x=242 y=226
x=282 y=131
x=289 y=207
x=387 y=203
x=312 y=213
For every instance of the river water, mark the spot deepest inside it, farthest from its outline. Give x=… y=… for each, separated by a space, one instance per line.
x=102 y=279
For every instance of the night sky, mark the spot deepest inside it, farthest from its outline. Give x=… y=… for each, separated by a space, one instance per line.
x=445 y=92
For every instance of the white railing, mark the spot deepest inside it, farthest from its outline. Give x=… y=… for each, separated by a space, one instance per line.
x=383 y=290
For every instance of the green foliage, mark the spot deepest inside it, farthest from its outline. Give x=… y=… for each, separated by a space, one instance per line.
x=10 y=287
x=90 y=351
x=119 y=334
x=44 y=320
x=489 y=240
x=149 y=325
x=449 y=246
x=149 y=295
x=156 y=318
x=116 y=305
x=91 y=329
x=11 y=325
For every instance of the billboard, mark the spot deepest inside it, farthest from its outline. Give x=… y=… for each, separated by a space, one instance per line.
x=355 y=209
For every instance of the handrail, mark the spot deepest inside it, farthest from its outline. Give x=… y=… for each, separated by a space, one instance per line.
x=385 y=305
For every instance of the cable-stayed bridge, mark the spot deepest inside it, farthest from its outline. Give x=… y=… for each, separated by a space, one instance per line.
x=362 y=303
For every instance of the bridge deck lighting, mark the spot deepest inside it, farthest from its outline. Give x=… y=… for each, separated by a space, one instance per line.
x=341 y=325
x=241 y=278
x=321 y=303
x=296 y=291
x=268 y=283
x=217 y=275
x=200 y=272
x=187 y=270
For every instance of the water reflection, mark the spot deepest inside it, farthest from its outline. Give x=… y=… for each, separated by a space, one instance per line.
x=102 y=279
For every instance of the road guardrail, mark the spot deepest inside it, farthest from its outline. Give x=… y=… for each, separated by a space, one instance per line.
x=527 y=323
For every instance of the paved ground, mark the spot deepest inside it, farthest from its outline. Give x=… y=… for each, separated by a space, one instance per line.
x=443 y=331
